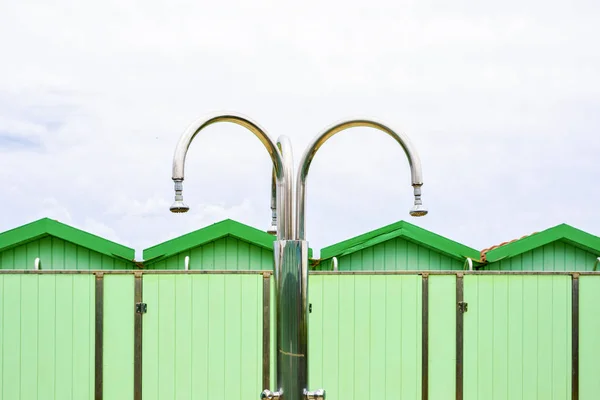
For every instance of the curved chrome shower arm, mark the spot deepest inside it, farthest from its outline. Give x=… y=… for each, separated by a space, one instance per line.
x=281 y=169
x=192 y=130
x=413 y=160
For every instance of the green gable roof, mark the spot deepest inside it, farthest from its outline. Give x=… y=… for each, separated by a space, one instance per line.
x=208 y=234
x=562 y=232
x=49 y=227
x=405 y=230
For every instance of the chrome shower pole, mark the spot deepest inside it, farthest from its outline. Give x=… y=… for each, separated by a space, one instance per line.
x=285 y=147
x=291 y=247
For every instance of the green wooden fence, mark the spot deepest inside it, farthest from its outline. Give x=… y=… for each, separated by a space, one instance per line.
x=47 y=335
x=206 y=333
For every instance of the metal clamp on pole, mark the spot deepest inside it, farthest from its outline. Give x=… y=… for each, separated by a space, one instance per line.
x=267 y=394
x=314 y=395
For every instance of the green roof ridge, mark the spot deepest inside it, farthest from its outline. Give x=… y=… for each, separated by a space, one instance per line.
x=46 y=226
x=208 y=234
x=400 y=229
x=564 y=232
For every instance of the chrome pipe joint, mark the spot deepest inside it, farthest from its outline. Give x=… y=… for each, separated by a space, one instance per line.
x=291 y=248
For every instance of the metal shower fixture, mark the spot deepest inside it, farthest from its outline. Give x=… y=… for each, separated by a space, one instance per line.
x=291 y=247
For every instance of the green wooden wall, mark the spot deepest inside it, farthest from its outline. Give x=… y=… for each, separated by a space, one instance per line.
x=47 y=337
x=202 y=336
x=517 y=337
x=228 y=253
x=396 y=254
x=555 y=256
x=58 y=254
x=365 y=336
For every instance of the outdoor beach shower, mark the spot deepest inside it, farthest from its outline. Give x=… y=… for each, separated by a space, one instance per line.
x=291 y=247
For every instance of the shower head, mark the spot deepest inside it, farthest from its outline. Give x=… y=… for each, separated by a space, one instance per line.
x=418 y=210
x=179 y=206
x=272 y=230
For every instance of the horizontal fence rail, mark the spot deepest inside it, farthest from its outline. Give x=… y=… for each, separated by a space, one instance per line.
x=262 y=272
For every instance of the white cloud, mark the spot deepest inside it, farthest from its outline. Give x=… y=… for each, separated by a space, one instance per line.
x=21 y=128
x=101 y=229
x=51 y=208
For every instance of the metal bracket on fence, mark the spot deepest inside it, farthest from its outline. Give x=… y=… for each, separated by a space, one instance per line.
x=463 y=306
x=141 y=308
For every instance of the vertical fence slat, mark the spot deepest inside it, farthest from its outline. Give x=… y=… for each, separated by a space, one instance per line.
x=118 y=337
x=441 y=337
x=63 y=365
x=183 y=317
x=29 y=336
x=166 y=335
x=11 y=339
x=589 y=346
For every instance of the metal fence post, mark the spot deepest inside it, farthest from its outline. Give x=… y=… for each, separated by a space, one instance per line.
x=99 y=345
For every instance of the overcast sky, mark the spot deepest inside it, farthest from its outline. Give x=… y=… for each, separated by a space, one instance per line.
x=501 y=100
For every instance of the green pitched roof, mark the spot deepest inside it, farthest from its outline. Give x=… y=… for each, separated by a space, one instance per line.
x=49 y=227
x=208 y=234
x=562 y=232
x=404 y=230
